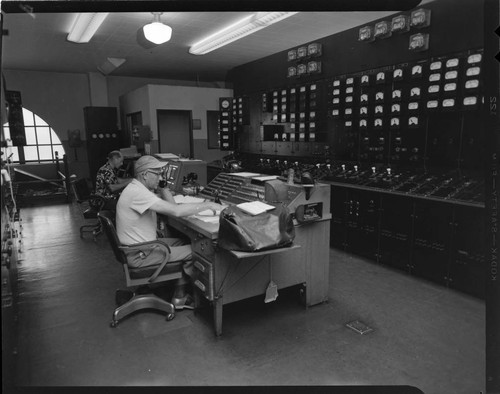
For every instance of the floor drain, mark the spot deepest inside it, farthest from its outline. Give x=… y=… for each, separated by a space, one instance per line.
x=359 y=327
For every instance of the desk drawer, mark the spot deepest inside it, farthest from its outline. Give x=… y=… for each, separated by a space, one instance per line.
x=204 y=276
x=204 y=247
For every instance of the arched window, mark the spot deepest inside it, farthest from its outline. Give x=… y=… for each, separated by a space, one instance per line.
x=42 y=142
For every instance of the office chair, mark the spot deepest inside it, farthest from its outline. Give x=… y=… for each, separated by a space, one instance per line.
x=91 y=203
x=140 y=277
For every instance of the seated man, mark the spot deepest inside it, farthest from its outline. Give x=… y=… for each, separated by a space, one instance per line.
x=107 y=183
x=136 y=221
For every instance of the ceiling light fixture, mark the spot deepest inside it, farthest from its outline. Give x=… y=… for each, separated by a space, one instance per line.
x=85 y=26
x=240 y=29
x=157 y=32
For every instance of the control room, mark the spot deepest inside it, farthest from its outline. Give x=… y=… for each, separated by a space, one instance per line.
x=250 y=196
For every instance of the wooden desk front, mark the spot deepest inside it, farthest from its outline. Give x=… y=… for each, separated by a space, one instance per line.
x=223 y=276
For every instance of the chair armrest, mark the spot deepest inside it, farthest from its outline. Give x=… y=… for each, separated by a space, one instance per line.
x=163 y=247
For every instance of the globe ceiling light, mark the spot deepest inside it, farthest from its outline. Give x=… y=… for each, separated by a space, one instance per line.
x=157 y=32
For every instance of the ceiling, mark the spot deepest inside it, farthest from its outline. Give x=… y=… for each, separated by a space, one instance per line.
x=37 y=41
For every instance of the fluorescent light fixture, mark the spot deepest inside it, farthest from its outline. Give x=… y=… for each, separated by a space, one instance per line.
x=85 y=26
x=240 y=29
x=157 y=32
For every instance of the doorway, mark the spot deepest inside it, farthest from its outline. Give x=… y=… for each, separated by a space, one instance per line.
x=175 y=133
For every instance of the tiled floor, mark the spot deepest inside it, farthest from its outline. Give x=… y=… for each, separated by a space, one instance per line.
x=424 y=335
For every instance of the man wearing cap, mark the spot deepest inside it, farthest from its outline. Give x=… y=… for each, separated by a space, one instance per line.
x=107 y=183
x=136 y=221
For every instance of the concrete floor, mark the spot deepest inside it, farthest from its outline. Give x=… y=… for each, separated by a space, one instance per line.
x=424 y=335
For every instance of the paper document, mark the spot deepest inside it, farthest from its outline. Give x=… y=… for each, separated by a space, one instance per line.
x=180 y=199
x=208 y=219
x=245 y=174
x=266 y=178
x=255 y=207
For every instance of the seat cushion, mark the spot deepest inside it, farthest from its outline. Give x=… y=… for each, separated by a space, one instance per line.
x=146 y=272
x=90 y=213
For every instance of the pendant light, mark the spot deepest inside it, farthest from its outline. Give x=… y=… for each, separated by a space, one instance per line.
x=157 y=32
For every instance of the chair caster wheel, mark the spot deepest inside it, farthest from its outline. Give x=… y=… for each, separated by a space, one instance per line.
x=170 y=316
x=113 y=324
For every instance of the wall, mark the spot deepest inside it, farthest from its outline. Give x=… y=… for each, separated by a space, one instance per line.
x=151 y=98
x=59 y=99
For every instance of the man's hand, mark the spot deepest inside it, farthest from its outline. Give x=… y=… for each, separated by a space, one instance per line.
x=166 y=195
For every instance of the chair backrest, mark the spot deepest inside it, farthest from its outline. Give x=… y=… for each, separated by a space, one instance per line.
x=81 y=189
x=107 y=219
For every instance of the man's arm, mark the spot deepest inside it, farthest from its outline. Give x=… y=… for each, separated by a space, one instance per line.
x=122 y=182
x=180 y=210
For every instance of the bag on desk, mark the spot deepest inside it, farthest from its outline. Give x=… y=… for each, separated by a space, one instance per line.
x=243 y=232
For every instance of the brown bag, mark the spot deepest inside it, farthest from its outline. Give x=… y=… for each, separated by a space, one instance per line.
x=241 y=231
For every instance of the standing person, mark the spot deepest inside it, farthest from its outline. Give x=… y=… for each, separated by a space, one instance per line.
x=136 y=221
x=108 y=184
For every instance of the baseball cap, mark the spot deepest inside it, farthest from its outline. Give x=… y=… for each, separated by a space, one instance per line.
x=147 y=162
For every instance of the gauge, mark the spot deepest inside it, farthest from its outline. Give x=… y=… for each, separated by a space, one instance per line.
x=472 y=84
x=312 y=115
x=100 y=135
x=94 y=136
x=395 y=108
x=378 y=122
x=416 y=70
x=302 y=89
x=450 y=87
x=395 y=122
x=113 y=135
x=336 y=100
x=476 y=58
x=413 y=106
x=363 y=110
x=336 y=83
x=348 y=99
x=335 y=112
x=472 y=100
x=365 y=79
x=348 y=111
x=396 y=94
x=436 y=65
x=432 y=104
x=451 y=75
x=107 y=135
x=364 y=97
x=348 y=123
x=380 y=76
x=379 y=109
x=435 y=77
x=473 y=71
x=433 y=89
x=349 y=90
x=292 y=116
x=415 y=92
x=349 y=81
x=448 y=103
x=313 y=87
x=292 y=91
x=336 y=92
x=398 y=73
x=413 y=121
x=362 y=123
x=302 y=115
x=225 y=103
x=379 y=96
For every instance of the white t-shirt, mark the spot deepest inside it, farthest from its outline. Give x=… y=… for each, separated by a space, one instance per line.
x=135 y=222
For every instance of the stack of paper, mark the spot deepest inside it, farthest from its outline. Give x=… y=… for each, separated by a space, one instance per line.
x=255 y=207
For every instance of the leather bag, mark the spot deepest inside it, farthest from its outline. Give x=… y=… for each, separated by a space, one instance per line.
x=243 y=232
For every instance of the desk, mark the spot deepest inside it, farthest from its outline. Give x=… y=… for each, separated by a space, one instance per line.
x=223 y=276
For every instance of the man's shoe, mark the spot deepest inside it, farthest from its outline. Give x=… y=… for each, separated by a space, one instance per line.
x=185 y=302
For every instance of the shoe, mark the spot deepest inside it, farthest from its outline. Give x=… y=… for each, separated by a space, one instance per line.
x=185 y=302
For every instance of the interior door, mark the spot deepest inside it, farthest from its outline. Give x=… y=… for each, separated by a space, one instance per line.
x=175 y=132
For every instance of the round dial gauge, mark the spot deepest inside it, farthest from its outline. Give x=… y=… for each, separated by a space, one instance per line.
x=224 y=104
